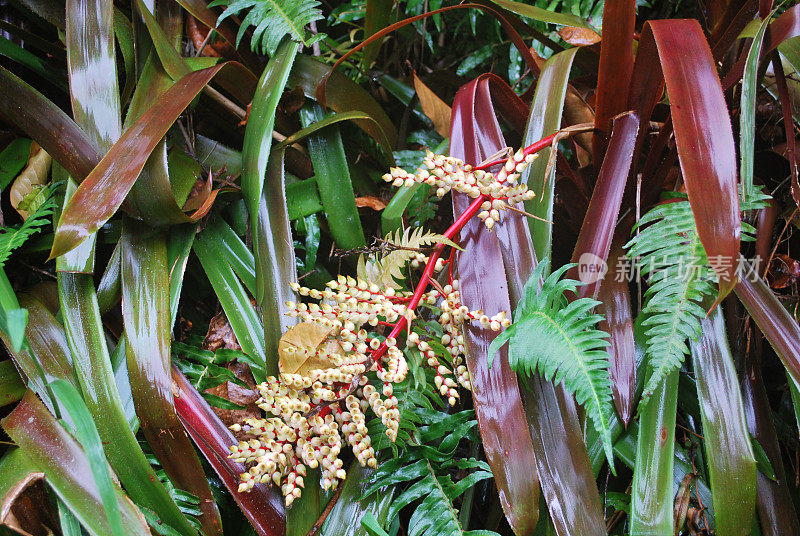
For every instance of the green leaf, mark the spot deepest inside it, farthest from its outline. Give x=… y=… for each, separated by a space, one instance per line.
x=13 y=159
x=11 y=386
x=544 y=15
x=87 y=435
x=333 y=181
x=560 y=341
x=46 y=447
x=726 y=439
x=747 y=117
x=652 y=492
x=544 y=120
x=424 y=470
x=234 y=300
x=13 y=237
x=372 y=526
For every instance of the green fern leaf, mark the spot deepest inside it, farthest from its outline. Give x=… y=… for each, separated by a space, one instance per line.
x=272 y=19
x=424 y=471
x=560 y=340
x=12 y=238
x=668 y=252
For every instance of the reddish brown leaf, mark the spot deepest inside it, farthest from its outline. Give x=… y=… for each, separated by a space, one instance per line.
x=783 y=271
x=676 y=52
x=44 y=122
x=615 y=306
x=262 y=506
x=102 y=193
x=616 y=66
x=597 y=231
x=778 y=326
x=370 y=201
x=434 y=107
x=475 y=135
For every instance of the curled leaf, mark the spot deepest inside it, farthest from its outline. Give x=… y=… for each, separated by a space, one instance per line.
x=306 y=335
x=30 y=181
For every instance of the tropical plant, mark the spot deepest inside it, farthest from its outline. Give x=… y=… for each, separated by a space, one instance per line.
x=221 y=315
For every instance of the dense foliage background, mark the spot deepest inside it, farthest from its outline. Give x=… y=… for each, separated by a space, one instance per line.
x=162 y=184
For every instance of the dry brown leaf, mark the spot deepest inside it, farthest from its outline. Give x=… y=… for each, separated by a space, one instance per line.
x=220 y=334
x=434 y=107
x=34 y=174
x=311 y=335
x=370 y=201
x=578 y=36
x=21 y=507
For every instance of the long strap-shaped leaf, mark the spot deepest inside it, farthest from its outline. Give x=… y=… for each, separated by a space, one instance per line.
x=262 y=505
x=651 y=496
x=778 y=326
x=551 y=413
x=616 y=67
x=501 y=417
x=102 y=193
x=676 y=52
x=44 y=122
x=776 y=512
x=545 y=119
x=729 y=452
x=46 y=447
x=146 y=315
x=273 y=245
x=96 y=378
x=275 y=262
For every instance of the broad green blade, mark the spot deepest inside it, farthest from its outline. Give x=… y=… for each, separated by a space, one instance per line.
x=729 y=452
x=147 y=317
x=49 y=449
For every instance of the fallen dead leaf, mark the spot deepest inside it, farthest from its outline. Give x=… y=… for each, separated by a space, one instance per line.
x=33 y=176
x=308 y=334
x=220 y=334
x=578 y=36
x=370 y=201
x=434 y=107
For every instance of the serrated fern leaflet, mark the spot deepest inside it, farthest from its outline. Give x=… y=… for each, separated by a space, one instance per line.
x=560 y=341
x=668 y=252
x=272 y=19
x=424 y=470
x=13 y=237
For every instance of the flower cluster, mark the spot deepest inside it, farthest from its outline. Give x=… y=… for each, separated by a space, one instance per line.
x=448 y=173
x=312 y=411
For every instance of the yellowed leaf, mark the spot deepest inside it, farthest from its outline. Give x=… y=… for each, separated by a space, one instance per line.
x=578 y=36
x=34 y=174
x=434 y=107
x=311 y=336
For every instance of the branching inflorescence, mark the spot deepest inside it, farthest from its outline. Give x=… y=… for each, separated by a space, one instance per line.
x=362 y=331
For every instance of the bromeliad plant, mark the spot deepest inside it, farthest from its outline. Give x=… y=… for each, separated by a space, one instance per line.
x=239 y=152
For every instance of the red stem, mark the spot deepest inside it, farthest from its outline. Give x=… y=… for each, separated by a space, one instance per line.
x=530 y=149
x=451 y=232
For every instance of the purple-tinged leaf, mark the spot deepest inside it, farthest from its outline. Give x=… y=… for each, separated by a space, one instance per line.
x=262 y=505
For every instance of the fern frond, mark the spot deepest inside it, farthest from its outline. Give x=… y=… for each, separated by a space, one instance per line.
x=560 y=340
x=272 y=19
x=667 y=250
x=386 y=270
x=13 y=237
x=424 y=471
